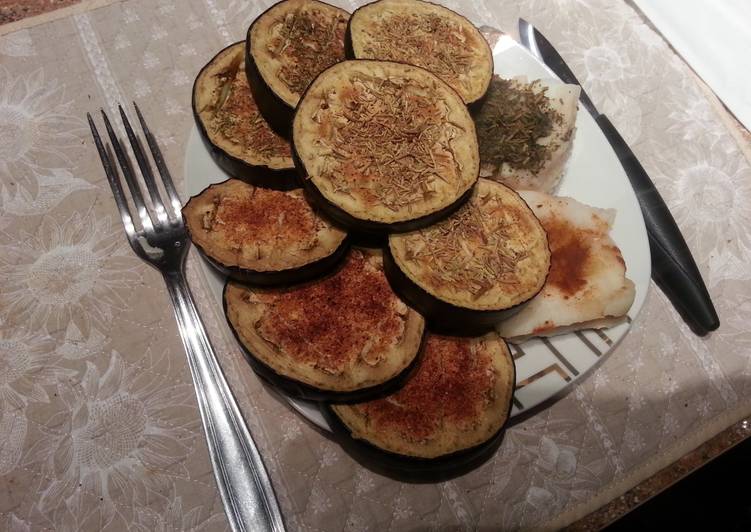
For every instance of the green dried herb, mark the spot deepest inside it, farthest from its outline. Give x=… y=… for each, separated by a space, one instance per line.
x=514 y=117
x=312 y=41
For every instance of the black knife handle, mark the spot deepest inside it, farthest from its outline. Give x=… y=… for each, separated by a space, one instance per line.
x=673 y=267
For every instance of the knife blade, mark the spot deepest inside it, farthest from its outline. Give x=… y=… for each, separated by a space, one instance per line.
x=673 y=267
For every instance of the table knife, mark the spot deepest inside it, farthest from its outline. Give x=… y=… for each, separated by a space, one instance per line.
x=673 y=268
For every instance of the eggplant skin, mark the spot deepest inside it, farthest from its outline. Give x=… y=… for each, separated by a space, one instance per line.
x=274 y=110
x=258 y=175
x=301 y=390
x=443 y=317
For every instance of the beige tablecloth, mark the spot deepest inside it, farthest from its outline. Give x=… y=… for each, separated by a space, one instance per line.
x=99 y=428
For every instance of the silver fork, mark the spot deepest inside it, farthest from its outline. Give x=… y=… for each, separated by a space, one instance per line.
x=162 y=241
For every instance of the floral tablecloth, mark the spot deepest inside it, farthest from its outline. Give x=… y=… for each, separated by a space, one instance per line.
x=99 y=428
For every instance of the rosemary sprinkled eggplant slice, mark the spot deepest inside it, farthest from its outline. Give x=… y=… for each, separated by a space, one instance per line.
x=384 y=146
x=426 y=35
x=287 y=47
x=262 y=236
x=450 y=411
x=346 y=337
x=467 y=273
x=237 y=136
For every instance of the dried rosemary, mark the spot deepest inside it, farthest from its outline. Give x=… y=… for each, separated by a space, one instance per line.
x=310 y=41
x=389 y=142
x=427 y=40
x=236 y=116
x=513 y=118
x=471 y=250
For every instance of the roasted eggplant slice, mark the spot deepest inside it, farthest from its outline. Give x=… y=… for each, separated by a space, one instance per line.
x=384 y=146
x=477 y=267
x=237 y=136
x=452 y=409
x=426 y=35
x=344 y=337
x=287 y=47
x=262 y=236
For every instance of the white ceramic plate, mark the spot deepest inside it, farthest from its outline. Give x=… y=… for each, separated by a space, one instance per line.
x=547 y=368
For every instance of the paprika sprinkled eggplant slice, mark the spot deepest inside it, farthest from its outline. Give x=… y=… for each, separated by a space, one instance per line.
x=451 y=410
x=262 y=236
x=344 y=337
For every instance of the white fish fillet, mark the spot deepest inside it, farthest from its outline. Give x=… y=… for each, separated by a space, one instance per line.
x=587 y=286
x=564 y=98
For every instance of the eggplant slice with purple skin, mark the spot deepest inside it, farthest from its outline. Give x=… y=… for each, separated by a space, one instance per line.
x=474 y=269
x=384 y=147
x=448 y=417
x=345 y=337
x=427 y=35
x=288 y=45
x=262 y=236
x=236 y=135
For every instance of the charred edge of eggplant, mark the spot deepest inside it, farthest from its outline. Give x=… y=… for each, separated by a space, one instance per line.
x=349 y=48
x=443 y=317
x=415 y=469
x=369 y=229
x=473 y=106
x=369 y=240
x=308 y=392
x=272 y=107
x=259 y=175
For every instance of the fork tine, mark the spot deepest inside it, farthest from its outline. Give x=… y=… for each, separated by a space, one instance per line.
x=148 y=223
x=117 y=189
x=163 y=171
x=143 y=164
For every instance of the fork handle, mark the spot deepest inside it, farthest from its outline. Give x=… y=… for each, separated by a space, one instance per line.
x=244 y=484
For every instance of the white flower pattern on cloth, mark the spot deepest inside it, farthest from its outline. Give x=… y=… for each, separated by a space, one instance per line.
x=28 y=364
x=37 y=131
x=53 y=187
x=76 y=347
x=710 y=194
x=176 y=519
x=17 y=44
x=70 y=271
x=121 y=431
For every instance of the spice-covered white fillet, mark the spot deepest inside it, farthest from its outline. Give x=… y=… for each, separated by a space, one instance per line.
x=587 y=285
